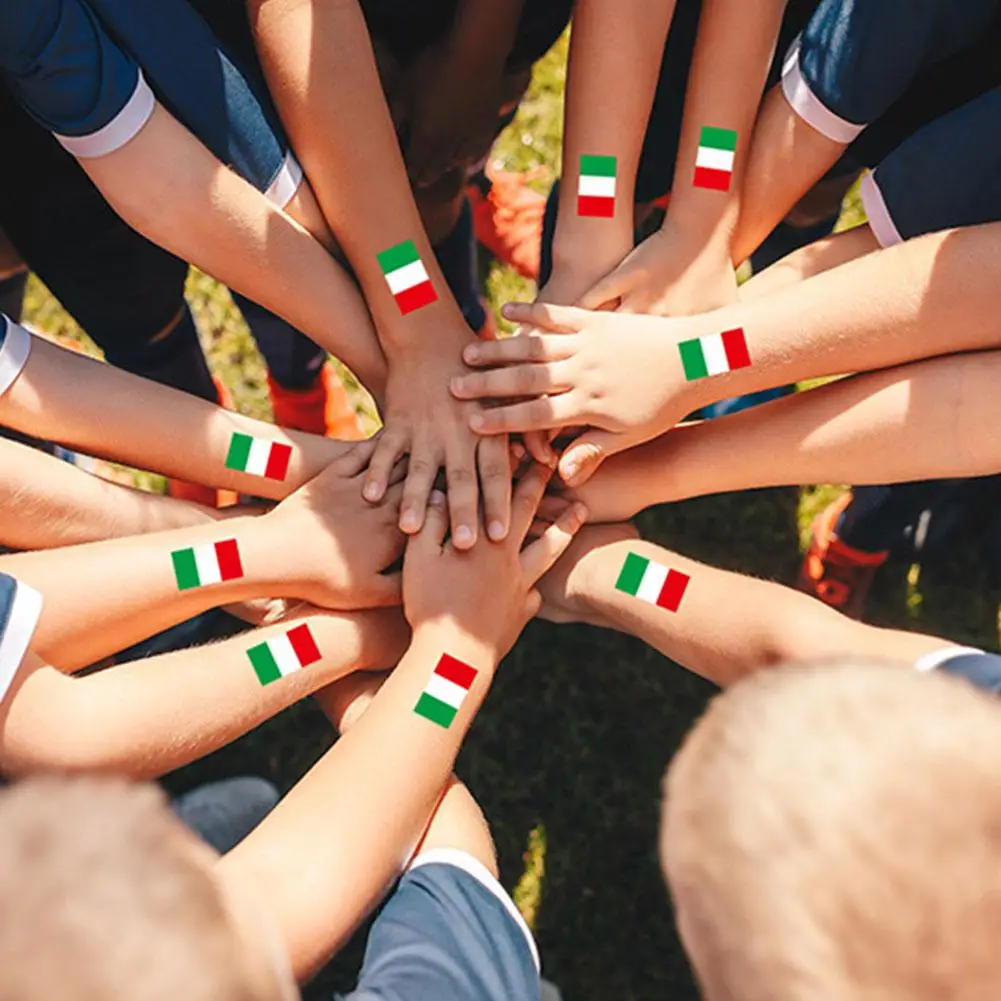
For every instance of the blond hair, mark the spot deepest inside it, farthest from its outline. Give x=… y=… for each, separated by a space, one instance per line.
x=103 y=899
x=834 y=832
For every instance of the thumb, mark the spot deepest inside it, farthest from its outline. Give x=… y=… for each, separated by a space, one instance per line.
x=585 y=454
x=609 y=292
x=557 y=319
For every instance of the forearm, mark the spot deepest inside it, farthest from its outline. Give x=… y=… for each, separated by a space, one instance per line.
x=615 y=55
x=728 y=625
x=930 y=419
x=45 y=503
x=733 y=52
x=320 y=65
x=786 y=158
x=929 y=296
x=120 y=416
x=146 y=718
x=357 y=816
x=196 y=208
x=484 y=33
x=104 y=596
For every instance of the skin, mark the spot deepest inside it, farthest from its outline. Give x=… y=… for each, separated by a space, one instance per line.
x=624 y=377
x=320 y=65
x=323 y=545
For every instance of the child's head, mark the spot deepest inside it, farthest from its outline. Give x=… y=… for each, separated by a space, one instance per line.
x=106 y=895
x=834 y=833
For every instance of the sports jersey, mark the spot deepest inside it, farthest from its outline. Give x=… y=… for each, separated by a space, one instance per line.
x=15 y=347
x=975 y=666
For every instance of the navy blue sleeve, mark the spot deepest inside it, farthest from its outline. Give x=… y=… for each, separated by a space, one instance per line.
x=947 y=174
x=20 y=609
x=857 y=57
x=980 y=669
x=71 y=77
x=449 y=933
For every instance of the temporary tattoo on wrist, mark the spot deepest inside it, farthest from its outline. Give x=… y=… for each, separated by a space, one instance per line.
x=714 y=161
x=258 y=456
x=596 y=187
x=211 y=563
x=651 y=582
x=714 y=354
x=445 y=691
x=283 y=655
x=407 y=277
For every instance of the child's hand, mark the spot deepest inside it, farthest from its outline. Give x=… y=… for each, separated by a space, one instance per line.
x=668 y=274
x=489 y=592
x=563 y=588
x=621 y=374
x=424 y=421
x=336 y=543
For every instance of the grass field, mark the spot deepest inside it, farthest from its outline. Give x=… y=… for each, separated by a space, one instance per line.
x=567 y=755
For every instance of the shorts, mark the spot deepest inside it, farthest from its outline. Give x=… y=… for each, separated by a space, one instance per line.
x=20 y=610
x=449 y=931
x=90 y=72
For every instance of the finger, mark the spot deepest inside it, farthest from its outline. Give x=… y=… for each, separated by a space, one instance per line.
x=525 y=502
x=533 y=603
x=435 y=527
x=518 y=380
x=356 y=458
x=399 y=472
x=514 y=350
x=609 y=292
x=388 y=451
x=582 y=458
x=531 y=415
x=551 y=507
x=421 y=472
x=558 y=319
x=495 y=483
x=540 y=556
x=540 y=448
x=463 y=492
x=385 y=589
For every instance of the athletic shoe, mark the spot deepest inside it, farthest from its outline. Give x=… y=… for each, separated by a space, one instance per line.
x=507 y=219
x=323 y=408
x=837 y=574
x=198 y=492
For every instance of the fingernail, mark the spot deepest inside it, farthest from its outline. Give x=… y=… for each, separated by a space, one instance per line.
x=436 y=498
x=580 y=510
x=496 y=531
x=571 y=470
x=464 y=535
x=472 y=353
x=506 y=310
x=476 y=421
x=519 y=450
x=408 y=523
x=372 y=491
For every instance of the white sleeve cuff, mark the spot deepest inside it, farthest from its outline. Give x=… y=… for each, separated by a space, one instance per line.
x=880 y=221
x=286 y=182
x=15 y=347
x=124 y=127
x=809 y=107
x=930 y=661
x=479 y=872
x=25 y=611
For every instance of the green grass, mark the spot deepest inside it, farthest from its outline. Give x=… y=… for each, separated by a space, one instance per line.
x=567 y=755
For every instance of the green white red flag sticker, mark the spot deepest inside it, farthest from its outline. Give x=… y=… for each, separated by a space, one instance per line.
x=714 y=160
x=211 y=563
x=652 y=582
x=283 y=655
x=596 y=187
x=445 y=691
x=714 y=354
x=407 y=277
x=258 y=456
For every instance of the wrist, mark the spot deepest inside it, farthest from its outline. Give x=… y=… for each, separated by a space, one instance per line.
x=417 y=341
x=709 y=234
x=264 y=551
x=433 y=638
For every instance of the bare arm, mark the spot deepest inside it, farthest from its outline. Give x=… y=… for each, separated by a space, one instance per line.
x=196 y=208
x=120 y=416
x=146 y=718
x=46 y=503
x=726 y=625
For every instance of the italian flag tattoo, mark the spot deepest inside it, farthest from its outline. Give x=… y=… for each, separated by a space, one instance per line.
x=407 y=277
x=714 y=161
x=212 y=563
x=652 y=582
x=596 y=187
x=284 y=655
x=258 y=456
x=714 y=354
x=445 y=691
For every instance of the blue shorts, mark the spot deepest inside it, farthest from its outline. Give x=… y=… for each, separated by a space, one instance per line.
x=90 y=72
x=20 y=609
x=449 y=932
x=975 y=666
